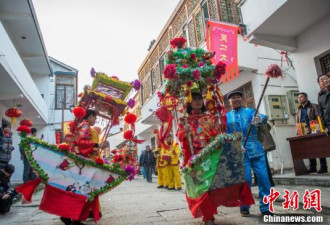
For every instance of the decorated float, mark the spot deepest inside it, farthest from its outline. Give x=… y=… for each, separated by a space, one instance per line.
x=217 y=167
x=74 y=173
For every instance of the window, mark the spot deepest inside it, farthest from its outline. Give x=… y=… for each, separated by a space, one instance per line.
x=226 y=10
x=185 y=34
x=153 y=81
x=161 y=68
x=325 y=64
x=205 y=12
x=199 y=24
x=248 y=98
x=65 y=92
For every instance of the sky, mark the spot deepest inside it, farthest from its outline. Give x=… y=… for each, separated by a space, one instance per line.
x=110 y=35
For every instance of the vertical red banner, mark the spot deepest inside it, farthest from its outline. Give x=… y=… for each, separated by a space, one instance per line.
x=221 y=38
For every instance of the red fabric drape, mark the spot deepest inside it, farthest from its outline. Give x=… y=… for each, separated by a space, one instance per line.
x=62 y=203
x=233 y=196
x=28 y=188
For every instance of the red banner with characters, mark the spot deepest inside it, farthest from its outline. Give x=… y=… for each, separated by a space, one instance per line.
x=221 y=38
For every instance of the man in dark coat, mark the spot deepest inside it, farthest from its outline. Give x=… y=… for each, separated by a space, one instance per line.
x=6 y=145
x=6 y=196
x=147 y=160
x=307 y=112
x=324 y=104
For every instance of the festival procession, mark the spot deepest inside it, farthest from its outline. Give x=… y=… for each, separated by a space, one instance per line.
x=164 y=112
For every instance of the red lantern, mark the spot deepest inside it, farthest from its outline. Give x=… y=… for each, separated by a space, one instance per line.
x=13 y=113
x=26 y=122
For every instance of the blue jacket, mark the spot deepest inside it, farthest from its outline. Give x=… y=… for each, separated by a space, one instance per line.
x=239 y=120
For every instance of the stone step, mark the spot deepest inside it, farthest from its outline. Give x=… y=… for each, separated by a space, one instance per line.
x=320 y=180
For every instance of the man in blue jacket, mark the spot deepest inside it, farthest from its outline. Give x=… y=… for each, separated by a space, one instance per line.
x=238 y=120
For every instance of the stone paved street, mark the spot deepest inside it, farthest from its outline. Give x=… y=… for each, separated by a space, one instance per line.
x=136 y=202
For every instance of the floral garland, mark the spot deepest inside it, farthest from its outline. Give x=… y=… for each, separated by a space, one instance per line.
x=27 y=148
x=25 y=144
x=210 y=148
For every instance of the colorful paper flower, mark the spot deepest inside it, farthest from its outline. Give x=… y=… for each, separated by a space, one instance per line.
x=170 y=71
x=185 y=66
x=274 y=71
x=136 y=84
x=130 y=118
x=193 y=56
x=178 y=42
x=24 y=129
x=196 y=75
x=93 y=72
x=219 y=70
x=128 y=135
x=131 y=103
x=189 y=83
x=201 y=64
x=79 y=112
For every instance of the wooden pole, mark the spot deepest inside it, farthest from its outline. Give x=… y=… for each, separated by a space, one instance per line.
x=256 y=112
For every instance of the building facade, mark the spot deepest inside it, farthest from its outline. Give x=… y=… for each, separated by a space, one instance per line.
x=28 y=77
x=298 y=27
x=189 y=19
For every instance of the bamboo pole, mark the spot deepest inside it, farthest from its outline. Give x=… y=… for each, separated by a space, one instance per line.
x=257 y=110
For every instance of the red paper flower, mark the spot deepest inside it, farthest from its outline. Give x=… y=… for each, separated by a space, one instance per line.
x=114 y=151
x=71 y=126
x=26 y=122
x=108 y=98
x=159 y=94
x=130 y=118
x=201 y=64
x=178 y=42
x=170 y=71
x=110 y=179
x=79 y=112
x=196 y=75
x=128 y=135
x=274 y=71
x=219 y=70
x=189 y=83
x=24 y=129
x=64 y=146
x=99 y=160
x=118 y=158
x=193 y=56
x=185 y=66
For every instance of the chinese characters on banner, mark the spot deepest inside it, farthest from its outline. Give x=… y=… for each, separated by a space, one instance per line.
x=222 y=39
x=311 y=199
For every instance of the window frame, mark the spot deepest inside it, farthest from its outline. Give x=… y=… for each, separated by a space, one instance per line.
x=74 y=88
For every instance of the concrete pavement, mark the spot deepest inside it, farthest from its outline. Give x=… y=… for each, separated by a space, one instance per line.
x=136 y=202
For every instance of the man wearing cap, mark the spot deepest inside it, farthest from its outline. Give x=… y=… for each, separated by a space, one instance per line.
x=6 y=197
x=239 y=120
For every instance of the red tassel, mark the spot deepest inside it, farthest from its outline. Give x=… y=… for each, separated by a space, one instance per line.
x=28 y=188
